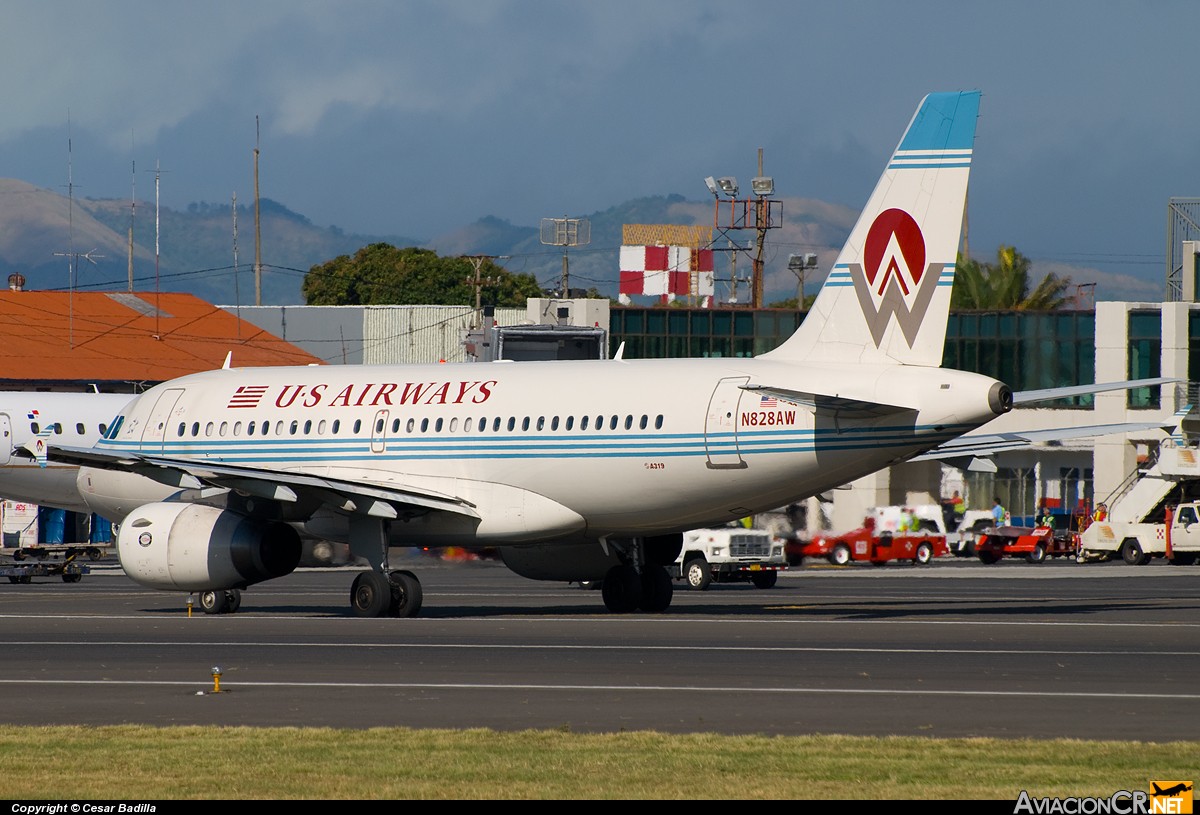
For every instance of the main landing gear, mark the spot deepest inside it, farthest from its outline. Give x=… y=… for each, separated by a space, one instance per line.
x=380 y=592
x=386 y=594
x=646 y=586
x=625 y=589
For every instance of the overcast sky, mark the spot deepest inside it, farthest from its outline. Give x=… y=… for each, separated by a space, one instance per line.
x=415 y=118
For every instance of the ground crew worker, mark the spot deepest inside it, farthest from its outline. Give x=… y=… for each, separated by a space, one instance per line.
x=1101 y=512
x=998 y=512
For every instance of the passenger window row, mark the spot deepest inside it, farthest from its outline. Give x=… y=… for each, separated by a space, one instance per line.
x=57 y=428
x=484 y=425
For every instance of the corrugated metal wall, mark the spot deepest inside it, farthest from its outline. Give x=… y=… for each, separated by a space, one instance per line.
x=421 y=334
x=374 y=335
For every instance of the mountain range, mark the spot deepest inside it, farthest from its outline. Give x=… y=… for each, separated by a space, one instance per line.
x=58 y=241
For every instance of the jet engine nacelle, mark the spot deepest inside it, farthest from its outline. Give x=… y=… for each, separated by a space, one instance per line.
x=193 y=547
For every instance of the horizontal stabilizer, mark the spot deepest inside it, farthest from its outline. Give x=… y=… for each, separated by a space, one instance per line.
x=985 y=444
x=1048 y=394
x=844 y=406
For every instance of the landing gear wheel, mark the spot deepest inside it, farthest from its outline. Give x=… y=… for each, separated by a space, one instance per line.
x=657 y=590
x=233 y=599
x=840 y=555
x=622 y=589
x=371 y=595
x=1131 y=552
x=214 y=602
x=924 y=553
x=1038 y=555
x=697 y=574
x=406 y=594
x=764 y=580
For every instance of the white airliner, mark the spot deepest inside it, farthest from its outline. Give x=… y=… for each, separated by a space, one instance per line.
x=574 y=470
x=59 y=418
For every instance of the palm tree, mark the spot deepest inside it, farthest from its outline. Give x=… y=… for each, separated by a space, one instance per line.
x=1005 y=285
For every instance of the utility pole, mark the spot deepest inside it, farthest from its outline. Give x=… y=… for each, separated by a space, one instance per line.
x=237 y=291
x=257 y=226
x=478 y=283
x=760 y=221
x=157 y=293
x=132 y=212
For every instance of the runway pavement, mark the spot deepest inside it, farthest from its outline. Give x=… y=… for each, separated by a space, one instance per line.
x=1101 y=651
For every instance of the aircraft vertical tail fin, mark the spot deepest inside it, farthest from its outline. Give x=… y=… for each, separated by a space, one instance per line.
x=887 y=298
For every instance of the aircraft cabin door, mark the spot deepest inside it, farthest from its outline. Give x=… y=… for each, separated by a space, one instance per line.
x=155 y=431
x=379 y=432
x=6 y=438
x=720 y=425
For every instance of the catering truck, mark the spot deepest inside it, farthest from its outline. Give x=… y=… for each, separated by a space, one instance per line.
x=1135 y=528
x=1177 y=538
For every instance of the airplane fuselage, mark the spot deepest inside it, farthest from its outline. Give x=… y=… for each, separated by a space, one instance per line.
x=546 y=450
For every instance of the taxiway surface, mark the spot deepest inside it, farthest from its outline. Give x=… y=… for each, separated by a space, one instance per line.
x=952 y=649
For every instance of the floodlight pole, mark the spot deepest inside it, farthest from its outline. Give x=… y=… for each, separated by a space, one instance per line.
x=766 y=213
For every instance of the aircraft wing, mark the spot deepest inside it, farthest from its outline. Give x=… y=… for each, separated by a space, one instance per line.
x=274 y=485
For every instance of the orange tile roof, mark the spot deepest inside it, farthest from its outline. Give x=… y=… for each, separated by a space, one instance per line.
x=121 y=336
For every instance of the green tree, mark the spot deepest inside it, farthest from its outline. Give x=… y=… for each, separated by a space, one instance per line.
x=809 y=299
x=1005 y=285
x=381 y=274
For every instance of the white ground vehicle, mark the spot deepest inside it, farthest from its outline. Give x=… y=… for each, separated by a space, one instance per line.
x=1177 y=538
x=1136 y=527
x=727 y=554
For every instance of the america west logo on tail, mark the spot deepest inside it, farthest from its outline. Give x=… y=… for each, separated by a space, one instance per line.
x=895 y=276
